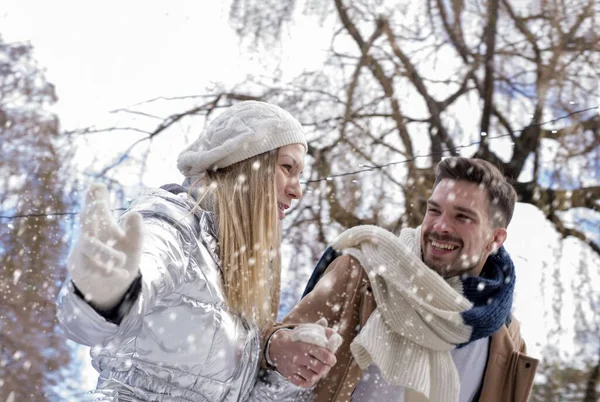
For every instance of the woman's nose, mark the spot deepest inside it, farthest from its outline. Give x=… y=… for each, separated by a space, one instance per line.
x=294 y=190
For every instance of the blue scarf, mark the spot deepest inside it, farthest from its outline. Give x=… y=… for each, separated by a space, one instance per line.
x=491 y=294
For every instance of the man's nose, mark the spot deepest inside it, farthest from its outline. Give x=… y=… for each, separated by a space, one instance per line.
x=442 y=224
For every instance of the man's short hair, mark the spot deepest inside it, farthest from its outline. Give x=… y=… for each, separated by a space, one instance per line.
x=502 y=195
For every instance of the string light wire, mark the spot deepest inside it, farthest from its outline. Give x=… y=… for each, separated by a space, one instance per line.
x=486 y=137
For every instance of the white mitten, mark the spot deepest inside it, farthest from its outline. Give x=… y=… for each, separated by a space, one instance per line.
x=105 y=259
x=315 y=334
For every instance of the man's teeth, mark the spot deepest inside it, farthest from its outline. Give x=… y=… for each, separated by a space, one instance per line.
x=443 y=246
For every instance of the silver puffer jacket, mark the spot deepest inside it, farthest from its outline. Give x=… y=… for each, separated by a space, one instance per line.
x=178 y=342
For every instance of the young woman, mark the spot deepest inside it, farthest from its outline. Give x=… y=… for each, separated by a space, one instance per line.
x=174 y=299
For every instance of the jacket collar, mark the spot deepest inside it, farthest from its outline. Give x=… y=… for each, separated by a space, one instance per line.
x=181 y=210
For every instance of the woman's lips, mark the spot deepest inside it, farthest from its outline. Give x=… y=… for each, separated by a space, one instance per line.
x=281 y=207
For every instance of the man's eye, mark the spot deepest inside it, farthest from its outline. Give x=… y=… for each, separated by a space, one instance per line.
x=433 y=210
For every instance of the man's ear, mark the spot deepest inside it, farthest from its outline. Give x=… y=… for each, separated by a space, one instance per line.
x=498 y=238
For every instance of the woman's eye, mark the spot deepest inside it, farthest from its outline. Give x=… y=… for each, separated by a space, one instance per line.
x=287 y=167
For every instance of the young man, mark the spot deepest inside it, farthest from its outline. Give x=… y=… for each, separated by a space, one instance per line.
x=425 y=316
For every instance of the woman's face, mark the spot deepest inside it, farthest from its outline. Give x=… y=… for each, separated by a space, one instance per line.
x=290 y=164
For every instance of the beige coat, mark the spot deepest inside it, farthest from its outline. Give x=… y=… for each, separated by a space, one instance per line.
x=343 y=296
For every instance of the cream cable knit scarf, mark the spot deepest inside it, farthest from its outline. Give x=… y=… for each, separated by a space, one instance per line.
x=417 y=321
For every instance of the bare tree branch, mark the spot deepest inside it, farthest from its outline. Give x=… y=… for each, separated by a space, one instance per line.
x=566 y=232
x=592 y=124
x=377 y=70
x=206 y=108
x=558 y=200
x=337 y=212
x=590 y=390
x=433 y=106
x=93 y=130
x=488 y=81
x=354 y=81
x=136 y=112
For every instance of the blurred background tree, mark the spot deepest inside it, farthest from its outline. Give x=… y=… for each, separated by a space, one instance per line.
x=33 y=183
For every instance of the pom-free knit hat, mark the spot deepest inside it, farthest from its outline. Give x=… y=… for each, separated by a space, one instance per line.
x=244 y=130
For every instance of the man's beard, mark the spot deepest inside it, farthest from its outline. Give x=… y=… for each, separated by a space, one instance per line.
x=460 y=266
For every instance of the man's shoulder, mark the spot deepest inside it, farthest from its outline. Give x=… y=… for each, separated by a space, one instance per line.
x=508 y=363
x=513 y=325
x=508 y=337
x=514 y=331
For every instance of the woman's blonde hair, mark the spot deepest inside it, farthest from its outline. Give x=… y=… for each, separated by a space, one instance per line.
x=244 y=198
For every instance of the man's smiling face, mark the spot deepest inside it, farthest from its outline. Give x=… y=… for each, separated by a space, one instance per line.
x=456 y=235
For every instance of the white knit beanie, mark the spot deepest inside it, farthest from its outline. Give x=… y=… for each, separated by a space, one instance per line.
x=244 y=130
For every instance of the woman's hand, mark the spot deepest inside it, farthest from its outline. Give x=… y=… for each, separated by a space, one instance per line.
x=106 y=257
x=305 y=354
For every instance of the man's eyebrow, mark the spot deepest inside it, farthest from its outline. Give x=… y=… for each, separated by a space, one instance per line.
x=457 y=207
x=466 y=210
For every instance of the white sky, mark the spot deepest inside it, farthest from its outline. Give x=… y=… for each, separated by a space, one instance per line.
x=107 y=55
x=104 y=55
x=111 y=54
